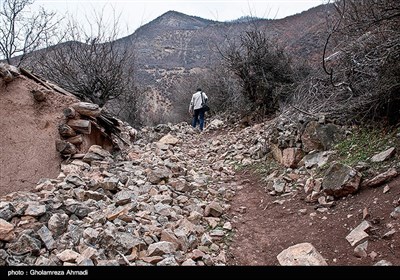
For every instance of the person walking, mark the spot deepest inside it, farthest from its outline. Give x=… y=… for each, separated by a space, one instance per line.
x=199 y=98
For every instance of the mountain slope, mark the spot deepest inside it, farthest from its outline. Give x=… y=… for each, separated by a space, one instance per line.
x=175 y=46
x=178 y=40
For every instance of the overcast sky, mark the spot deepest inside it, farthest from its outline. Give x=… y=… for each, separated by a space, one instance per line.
x=135 y=13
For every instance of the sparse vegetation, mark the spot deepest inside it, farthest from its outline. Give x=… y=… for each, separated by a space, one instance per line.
x=93 y=67
x=363 y=143
x=262 y=169
x=262 y=68
x=360 y=81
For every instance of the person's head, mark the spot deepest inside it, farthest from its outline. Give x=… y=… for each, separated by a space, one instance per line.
x=198 y=89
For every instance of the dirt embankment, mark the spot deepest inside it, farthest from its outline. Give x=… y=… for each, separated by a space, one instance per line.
x=28 y=132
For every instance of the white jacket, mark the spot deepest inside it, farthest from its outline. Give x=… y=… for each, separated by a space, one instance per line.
x=196 y=101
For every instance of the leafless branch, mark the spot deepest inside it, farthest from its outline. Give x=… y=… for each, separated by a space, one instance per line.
x=23 y=32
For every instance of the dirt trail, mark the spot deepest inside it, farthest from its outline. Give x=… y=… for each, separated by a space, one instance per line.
x=264 y=225
x=267 y=227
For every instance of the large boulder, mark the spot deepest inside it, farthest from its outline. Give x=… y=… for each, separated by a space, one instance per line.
x=341 y=180
x=291 y=157
x=303 y=254
x=321 y=137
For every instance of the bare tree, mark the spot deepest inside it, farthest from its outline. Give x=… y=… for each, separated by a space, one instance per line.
x=361 y=57
x=129 y=106
x=22 y=32
x=364 y=68
x=261 y=66
x=94 y=64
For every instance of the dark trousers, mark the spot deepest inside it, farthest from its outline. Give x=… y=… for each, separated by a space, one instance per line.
x=198 y=117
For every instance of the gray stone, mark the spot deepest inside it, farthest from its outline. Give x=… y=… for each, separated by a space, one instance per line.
x=86 y=262
x=322 y=201
x=86 y=195
x=193 y=241
x=160 y=248
x=180 y=185
x=169 y=236
x=358 y=234
x=91 y=235
x=68 y=255
x=3 y=257
x=213 y=209
x=99 y=151
x=124 y=197
x=77 y=208
x=58 y=223
x=320 y=137
x=279 y=185
x=383 y=263
x=87 y=254
x=303 y=254
x=90 y=156
x=380 y=178
x=7 y=211
x=169 y=139
x=227 y=226
x=341 y=180
x=43 y=261
x=156 y=175
x=382 y=156
x=395 y=213
x=35 y=210
x=215 y=124
x=47 y=238
x=189 y=262
x=110 y=184
x=125 y=241
x=75 y=180
x=208 y=260
x=163 y=198
x=107 y=263
x=360 y=250
x=217 y=234
x=162 y=128
x=170 y=261
x=25 y=244
x=389 y=234
x=317 y=159
x=386 y=189
x=74 y=233
x=163 y=209
x=87 y=109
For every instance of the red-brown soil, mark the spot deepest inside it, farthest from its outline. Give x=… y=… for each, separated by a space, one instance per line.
x=267 y=228
x=28 y=132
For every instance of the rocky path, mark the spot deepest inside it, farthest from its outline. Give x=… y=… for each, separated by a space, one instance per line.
x=271 y=228
x=178 y=197
x=162 y=202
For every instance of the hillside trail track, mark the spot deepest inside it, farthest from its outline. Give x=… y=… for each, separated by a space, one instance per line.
x=265 y=225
